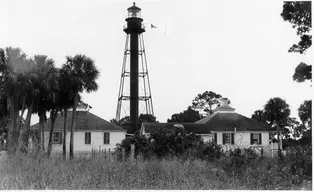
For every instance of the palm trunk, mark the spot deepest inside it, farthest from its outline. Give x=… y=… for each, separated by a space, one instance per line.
x=21 y=117
x=53 y=117
x=25 y=131
x=64 y=151
x=12 y=134
x=73 y=126
x=41 y=141
x=278 y=141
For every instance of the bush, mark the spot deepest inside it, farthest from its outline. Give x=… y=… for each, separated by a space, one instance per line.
x=238 y=159
x=141 y=146
x=298 y=161
x=209 y=151
x=163 y=143
x=173 y=142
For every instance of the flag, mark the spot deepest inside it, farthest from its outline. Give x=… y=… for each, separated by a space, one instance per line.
x=152 y=26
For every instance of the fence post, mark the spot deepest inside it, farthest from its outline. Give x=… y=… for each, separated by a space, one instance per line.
x=99 y=154
x=132 y=152
x=109 y=154
x=123 y=154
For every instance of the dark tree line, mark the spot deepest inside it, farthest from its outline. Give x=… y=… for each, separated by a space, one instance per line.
x=33 y=85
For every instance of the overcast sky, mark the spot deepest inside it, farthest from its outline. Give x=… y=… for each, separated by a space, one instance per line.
x=235 y=48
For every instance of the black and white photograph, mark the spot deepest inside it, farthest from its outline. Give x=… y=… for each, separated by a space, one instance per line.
x=155 y=95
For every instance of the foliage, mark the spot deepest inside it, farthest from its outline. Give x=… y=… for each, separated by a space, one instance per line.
x=164 y=142
x=187 y=116
x=31 y=172
x=297 y=129
x=209 y=151
x=35 y=85
x=298 y=13
x=206 y=102
x=81 y=74
x=298 y=161
x=173 y=142
x=260 y=116
x=305 y=113
x=277 y=112
x=239 y=158
x=302 y=72
x=125 y=122
x=141 y=145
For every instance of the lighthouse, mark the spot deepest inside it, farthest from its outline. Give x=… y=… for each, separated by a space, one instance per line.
x=134 y=98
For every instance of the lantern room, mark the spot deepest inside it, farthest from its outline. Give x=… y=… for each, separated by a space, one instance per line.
x=134 y=11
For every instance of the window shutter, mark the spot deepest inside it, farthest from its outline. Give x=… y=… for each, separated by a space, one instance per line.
x=251 y=138
x=106 y=138
x=232 y=138
x=215 y=138
x=260 y=138
x=61 y=140
x=88 y=137
x=223 y=138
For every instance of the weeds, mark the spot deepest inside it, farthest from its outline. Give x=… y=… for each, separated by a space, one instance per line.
x=236 y=170
x=29 y=172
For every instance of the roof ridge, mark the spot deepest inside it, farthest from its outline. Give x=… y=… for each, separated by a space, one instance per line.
x=207 y=118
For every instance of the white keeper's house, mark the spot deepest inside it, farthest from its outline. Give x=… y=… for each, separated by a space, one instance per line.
x=227 y=128
x=91 y=132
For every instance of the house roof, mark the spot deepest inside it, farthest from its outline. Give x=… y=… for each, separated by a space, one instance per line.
x=85 y=120
x=189 y=127
x=227 y=121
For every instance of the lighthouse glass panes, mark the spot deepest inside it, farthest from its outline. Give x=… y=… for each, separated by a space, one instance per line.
x=134 y=12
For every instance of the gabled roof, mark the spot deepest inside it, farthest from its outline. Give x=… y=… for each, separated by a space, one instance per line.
x=189 y=127
x=226 y=121
x=84 y=121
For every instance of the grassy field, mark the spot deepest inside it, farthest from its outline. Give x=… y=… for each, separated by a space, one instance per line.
x=29 y=172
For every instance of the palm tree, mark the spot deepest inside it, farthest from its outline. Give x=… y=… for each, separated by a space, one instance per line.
x=277 y=112
x=83 y=75
x=47 y=84
x=29 y=94
x=66 y=102
x=13 y=64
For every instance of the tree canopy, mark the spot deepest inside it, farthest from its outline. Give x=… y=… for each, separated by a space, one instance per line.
x=35 y=85
x=299 y=14
x=206 y=102
x=305 y=113
x=187 y=116
x=125 y=122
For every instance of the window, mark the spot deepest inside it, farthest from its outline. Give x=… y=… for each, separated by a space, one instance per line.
x=106 y=138
x=87 y=138
x=57 y=138
x=214 y=137
x=228 y=138
x=256 y=138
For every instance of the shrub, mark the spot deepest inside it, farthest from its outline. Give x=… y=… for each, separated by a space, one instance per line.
x=238 y=159
x=173 y=142
x=209 y=151
x=298 y=161
x=141 y=145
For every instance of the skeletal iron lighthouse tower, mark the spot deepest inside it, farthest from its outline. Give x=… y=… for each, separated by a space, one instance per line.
x=135 y=99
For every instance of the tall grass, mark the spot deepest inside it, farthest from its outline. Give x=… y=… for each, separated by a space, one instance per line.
x=33 y=172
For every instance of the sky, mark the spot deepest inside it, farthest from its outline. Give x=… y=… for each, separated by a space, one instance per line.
x=238 y=49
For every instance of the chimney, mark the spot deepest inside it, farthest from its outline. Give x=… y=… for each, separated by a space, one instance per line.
x=224 y=101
